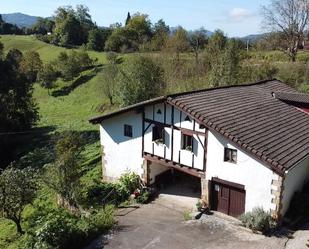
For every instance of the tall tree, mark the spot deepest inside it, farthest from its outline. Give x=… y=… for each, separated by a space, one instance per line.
x=160 y=35
x=178 y=42
x=291 y=19
x=140 y=24
x=139 y=79
x=225 y=66
x=128 y=18
x=17 y=108
x=198 y=40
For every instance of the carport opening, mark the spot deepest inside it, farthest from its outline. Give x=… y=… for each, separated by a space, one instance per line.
x=179 y=188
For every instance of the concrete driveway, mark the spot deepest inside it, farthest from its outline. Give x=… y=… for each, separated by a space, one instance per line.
x=158 y=226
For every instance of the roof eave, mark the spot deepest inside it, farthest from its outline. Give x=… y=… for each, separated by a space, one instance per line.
x=99 y=119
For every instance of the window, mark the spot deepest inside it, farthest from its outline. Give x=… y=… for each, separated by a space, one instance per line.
x=230 y=155
x=159 y=111
x=158 y=134
x=202 y=126
x=128 y=130
x=186 y=142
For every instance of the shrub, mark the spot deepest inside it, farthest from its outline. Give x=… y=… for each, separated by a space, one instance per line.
x=59 y=229
x=143 y=197
x=130 y=181
x=187 y=215
x=258 y=220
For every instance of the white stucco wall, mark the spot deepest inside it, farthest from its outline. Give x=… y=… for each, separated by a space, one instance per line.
x=247 y=171
x=294 y=181
x=122 y=154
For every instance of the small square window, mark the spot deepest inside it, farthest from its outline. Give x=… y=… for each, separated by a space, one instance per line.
x=202 y=126
x=128 y=130
x=186 y=142
x=230 y=155
x=158 y=134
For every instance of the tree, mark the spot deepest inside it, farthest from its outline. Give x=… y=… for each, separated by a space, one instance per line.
x=198 y=40
x=108 y=81
x=128 y=18
x=122 y=40
x=291 y=19
x=63 y=176
x=141 y=25
x=178 y=42
x=17 y=189
x=47 y=76
x=31 y=64
x=225 y=67
x=97 y=38
x=139 y=79
x=72 y=26
x=42 y=26
x=160 y=35
x=17 y=108
x=72 y=64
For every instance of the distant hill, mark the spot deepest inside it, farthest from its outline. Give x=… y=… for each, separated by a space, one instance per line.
x=190 y=32
x=253 y=38
x=20 y=19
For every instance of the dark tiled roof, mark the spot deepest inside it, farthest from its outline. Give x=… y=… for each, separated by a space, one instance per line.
x=100 y=118
x=292 y=97
x=249 y=116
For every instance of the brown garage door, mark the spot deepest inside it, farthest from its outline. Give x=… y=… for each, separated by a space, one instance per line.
x=228 y=197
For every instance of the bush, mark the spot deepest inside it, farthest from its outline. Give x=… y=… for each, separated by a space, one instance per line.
x=143 y=197
x=130 y=181
x=258 y=220
x=59 y=229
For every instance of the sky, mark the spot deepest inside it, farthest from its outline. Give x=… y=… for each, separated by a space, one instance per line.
x=235 y=17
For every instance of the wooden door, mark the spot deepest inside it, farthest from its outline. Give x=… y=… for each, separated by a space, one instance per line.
x=228 y=198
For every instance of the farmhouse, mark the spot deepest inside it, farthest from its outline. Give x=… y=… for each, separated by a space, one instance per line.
x=247 y=146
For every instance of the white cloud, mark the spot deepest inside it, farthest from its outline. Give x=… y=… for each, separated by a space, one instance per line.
x=239 y=14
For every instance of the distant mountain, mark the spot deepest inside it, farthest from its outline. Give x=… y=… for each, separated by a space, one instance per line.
x=20 y=19
x=190 y=32
x=252 y=38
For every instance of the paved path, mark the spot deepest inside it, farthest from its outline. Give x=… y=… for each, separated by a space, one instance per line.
x=156 y=226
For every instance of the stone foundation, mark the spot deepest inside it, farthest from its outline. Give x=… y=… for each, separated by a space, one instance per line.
x=146 y=172
x=277 y=192
x=205 y=191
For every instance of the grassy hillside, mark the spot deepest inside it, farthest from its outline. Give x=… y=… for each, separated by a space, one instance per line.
x=69 y=107
x=47 y=52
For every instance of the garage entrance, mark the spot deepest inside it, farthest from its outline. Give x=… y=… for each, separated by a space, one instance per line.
x=228 y=197
x=178 y=189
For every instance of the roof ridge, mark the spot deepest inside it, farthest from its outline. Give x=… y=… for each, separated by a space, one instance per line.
x=223 y=87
